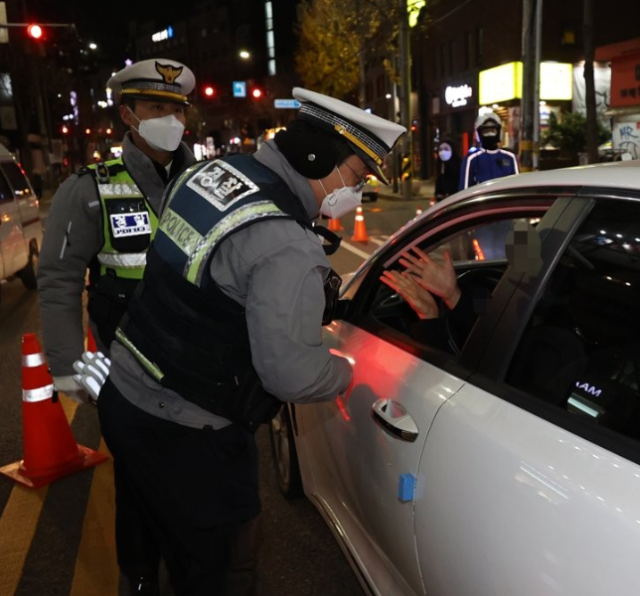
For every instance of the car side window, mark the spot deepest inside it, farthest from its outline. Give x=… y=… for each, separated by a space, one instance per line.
x=17 y=179
x=6 y=194
x=581 y=348
x=478 y=255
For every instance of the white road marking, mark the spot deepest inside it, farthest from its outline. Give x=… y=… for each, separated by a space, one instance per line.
x=355 y=250
x=379 y=240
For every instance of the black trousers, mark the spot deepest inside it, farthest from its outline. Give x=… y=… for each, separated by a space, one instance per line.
x=194 y=490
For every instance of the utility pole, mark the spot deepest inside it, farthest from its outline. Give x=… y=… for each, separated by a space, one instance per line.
x=405 y=95
x=530 y=107
x=590 y=91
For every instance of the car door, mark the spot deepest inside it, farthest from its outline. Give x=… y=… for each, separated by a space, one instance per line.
x=363 y=451
x=11 y=235
x=531 y=471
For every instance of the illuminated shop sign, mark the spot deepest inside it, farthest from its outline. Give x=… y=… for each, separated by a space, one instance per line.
x=458 y=96
x=163 y=35
x=504 y=83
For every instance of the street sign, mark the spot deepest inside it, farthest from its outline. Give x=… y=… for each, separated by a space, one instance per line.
x=291 y=104
x=239 y=88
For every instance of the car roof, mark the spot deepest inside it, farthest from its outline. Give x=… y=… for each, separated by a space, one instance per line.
x=617 y=175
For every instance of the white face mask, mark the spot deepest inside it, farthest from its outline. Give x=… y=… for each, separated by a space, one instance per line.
x=445 y=154
x=341 y=200
x=162 y=134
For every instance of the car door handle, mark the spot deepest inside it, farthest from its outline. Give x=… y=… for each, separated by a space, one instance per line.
x=393 y=419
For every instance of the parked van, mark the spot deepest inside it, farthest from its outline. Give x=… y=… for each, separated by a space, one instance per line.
x=20 y=224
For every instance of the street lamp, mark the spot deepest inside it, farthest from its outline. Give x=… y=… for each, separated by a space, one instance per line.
x=244 y=55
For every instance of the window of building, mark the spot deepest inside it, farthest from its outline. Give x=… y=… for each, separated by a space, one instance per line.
x=468 y=51
x=479 y=47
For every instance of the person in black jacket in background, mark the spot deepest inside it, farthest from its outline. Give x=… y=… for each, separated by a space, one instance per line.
x=448 y=170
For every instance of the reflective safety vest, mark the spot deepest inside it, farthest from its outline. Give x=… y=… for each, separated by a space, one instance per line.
x=185 y=332
x=129 y=225
x=129 y=222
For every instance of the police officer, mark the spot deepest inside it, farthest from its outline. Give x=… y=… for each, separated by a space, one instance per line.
x=103 y=219
x=489 y=161
x=226 y=325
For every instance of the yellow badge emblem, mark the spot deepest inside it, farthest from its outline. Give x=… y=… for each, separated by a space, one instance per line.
x=168 y=72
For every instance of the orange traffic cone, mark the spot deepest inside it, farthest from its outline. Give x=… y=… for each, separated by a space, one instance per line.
x=91 y=342
x=334 y=225
x=50 y=451
x=418 y=212
x=359 y=230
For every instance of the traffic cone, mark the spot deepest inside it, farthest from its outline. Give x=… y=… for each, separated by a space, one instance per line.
x=360 y=230
x=334 y=225
x=91 y=342
x=50 y=451
x=418 y=212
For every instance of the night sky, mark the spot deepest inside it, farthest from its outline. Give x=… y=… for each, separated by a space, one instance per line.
x=104 y=23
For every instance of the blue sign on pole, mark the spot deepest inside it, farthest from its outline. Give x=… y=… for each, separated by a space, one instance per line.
x=239 y=88
x=292 y=104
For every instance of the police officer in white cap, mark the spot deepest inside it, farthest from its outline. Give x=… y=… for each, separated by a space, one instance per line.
x=103 y=219
x=225 y=326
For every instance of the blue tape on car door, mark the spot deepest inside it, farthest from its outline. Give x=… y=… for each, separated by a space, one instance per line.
x=406 y=487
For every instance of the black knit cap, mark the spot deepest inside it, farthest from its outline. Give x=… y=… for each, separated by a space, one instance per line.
x=314 y=155
x=312 y=151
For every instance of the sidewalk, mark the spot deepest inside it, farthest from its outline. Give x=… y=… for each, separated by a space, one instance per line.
x=421 y=190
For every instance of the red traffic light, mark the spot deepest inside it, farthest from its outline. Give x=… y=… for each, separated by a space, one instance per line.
x=257 y=93
x=35 y=31
x=209 y=91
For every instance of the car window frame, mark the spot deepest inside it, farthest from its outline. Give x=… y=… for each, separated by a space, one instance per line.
x=364 y=283
x=5 y=174
x=492 y=370
x=12 y=192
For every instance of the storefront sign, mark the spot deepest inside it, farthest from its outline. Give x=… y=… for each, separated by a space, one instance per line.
x=504 y=83
x=625 y=81
x=556 y=81
x=458 y=96
x=501 y=83
x=162 y=35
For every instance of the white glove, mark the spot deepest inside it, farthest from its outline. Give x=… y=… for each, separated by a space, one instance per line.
x=93 y=371
x=72 y=389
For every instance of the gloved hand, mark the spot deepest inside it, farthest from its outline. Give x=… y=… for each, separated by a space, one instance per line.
x=93 y=371
x=72 y=389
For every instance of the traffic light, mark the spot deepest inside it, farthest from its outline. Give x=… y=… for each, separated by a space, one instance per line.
x=209 y=91
x=257 y=93
x=35 y=31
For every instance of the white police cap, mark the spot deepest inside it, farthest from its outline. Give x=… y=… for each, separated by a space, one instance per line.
x=370 y=136
x=156 y=79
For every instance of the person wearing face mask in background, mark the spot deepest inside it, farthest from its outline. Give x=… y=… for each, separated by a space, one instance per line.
x=225 y=326
x=489 y=161
x=448 y=170
x=103 y=219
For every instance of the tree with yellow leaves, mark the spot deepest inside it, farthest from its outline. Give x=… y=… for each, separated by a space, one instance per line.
x=338 y=38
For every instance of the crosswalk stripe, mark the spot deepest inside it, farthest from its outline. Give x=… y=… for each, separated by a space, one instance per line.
x=17 y=528
x=96 y=572
x=356 y=251
x=18 y=524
